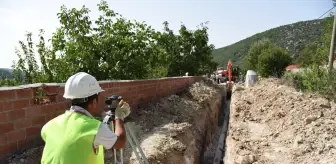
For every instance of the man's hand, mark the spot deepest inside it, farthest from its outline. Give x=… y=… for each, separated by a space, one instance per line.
x=122 y=111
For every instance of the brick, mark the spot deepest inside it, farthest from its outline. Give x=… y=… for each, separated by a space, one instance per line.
x=16 y=114
x=131 y=88
x=51 y=90
x=25 y=93
x=25 y=144
x=59 y=98
x=23 y=103
x=65 y=105
x=6 y=106
x=8 y=148
x=110 y=91
x=6 y=127
x=7 y=95
x=39 y=120
x=22 y=123
x=3 y=140
x=33 y=131
x=3 y=117
x=33 y=111
x=105 y=85
x=57 y=113
x=131 y=83
x=49 y=116
x=16 y=135
x=48 y=108
x=115 y=84
x=61 y=107
x=60 y=91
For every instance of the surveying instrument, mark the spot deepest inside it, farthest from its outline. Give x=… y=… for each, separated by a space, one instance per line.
x=112 y=103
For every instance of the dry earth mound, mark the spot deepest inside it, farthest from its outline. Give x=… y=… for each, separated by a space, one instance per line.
x=175 y=130
x=274 y=124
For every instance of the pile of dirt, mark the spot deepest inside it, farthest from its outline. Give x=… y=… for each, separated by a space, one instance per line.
x=174 y=129
x=272 y=123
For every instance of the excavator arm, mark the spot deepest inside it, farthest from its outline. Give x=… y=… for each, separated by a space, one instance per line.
x=229 y=83
x=229 y=71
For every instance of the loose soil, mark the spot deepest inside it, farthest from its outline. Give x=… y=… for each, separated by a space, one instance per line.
x=274 y=124
x=174 y=130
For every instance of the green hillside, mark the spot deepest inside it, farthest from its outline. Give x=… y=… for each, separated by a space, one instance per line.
x=6 y=73
x=293 y=37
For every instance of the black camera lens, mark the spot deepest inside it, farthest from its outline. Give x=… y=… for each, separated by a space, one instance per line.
x=113 y=101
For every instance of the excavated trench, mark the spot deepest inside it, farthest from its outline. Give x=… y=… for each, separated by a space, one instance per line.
x=185 y=128
x=215 y=156
x=219 y=154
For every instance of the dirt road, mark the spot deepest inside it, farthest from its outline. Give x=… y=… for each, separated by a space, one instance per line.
x=271 y=123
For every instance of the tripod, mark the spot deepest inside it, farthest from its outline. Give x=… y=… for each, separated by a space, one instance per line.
x=112 y=103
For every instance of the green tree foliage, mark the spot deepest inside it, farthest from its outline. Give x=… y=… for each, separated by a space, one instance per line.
x=27 y=63
x=267 y=58
x=253 y=55
x=308 y=56
x=7 y=77
x=112 y=47
x=313 y=79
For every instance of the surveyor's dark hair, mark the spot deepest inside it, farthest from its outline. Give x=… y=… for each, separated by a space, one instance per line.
x=84 y=102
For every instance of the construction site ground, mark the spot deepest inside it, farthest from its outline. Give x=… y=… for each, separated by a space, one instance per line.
x=178 y=129
x=271 y=123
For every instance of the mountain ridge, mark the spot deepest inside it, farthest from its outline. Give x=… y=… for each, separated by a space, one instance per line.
x=292 y=37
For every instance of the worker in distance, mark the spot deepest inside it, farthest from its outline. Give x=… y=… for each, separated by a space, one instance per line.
x=75 y=137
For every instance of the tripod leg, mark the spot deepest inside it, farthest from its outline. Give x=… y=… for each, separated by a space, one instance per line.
x=122 y=156
x=137 y=144
x=129 y=139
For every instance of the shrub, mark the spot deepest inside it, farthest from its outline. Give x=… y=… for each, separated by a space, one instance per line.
x=312 y=79
x=267 y=59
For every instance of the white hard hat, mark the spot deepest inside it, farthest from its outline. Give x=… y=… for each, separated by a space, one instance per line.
x=81 y=85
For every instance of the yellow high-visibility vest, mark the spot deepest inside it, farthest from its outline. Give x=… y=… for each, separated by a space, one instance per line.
x=69 y=140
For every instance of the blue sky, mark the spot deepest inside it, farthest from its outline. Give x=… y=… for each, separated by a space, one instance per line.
x=229 y=20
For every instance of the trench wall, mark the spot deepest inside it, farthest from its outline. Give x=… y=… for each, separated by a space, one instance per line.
x=230 y=143
x=25 y=109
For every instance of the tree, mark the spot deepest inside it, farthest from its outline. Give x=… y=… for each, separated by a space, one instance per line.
x=112 y=47
x=254 y=52
x=309 y=55
x=267 y=59
x=27 y=63
x=272 y=61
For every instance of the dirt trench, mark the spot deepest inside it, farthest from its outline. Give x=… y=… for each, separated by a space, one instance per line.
x=179 y=129
x=271 y=123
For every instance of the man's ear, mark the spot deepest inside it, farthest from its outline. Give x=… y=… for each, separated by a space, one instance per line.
x=95 y=103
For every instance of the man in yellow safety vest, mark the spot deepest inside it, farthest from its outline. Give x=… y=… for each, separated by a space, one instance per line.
x=75 y=137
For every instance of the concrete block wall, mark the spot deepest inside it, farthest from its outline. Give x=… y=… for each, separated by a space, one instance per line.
x=25 y=109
